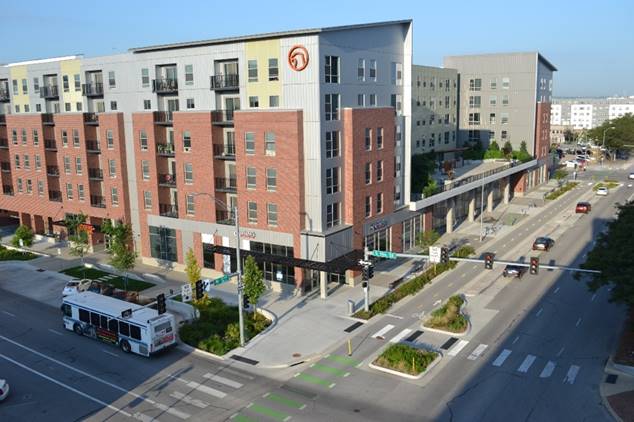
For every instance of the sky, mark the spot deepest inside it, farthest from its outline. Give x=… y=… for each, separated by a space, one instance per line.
x=591 y=43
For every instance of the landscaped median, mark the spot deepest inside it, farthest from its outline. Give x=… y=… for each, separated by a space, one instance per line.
x=449 y=317
x=560 y=191
x=117 y=282
x=7 y=254
x=405 y=361
x=413 y=286
x=610 y=184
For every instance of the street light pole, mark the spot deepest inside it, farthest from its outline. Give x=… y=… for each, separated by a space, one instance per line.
x=240 y=286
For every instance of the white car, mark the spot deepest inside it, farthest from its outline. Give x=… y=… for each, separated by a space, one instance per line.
x=602 y=191
x=631 y=176
x=4 y=389
x=76 y=286
x=572 y=163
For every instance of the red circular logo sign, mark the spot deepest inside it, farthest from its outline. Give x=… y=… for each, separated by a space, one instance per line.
x=298 y=58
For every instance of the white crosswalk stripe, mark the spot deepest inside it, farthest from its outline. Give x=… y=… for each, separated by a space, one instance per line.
x=477 y=352
x=189 y=400
x=202 y=388
x=526 y=364
x=548 y=369
x=458 y=347
x=572 y=374
x=223 y=380
x=143 y=417
x=499 y=361
x=383 y=331
x=400 y=336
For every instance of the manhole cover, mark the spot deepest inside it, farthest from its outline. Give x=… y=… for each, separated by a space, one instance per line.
x=40 y=270
x=296 y=355
x=357 y=410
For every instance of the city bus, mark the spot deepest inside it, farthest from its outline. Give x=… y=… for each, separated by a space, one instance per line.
x=134 y=328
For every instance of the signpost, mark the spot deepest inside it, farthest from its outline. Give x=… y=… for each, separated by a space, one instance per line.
x=186 y=292
x=434 y=254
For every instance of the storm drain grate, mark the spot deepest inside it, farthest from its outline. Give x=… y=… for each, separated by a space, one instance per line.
x=353 y=327
x=449 y=343
x=414 y=336
x=40 y=270
x=611 y=378
x=244 y=360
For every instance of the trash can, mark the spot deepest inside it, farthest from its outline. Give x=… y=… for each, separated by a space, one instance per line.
x=350 y=306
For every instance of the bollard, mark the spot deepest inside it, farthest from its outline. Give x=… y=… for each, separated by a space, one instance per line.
x=350 y=307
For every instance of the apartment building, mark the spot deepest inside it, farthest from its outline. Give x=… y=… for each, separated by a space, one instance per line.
x=587 y=113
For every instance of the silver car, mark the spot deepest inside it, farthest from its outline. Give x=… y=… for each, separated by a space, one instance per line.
x=76 y=286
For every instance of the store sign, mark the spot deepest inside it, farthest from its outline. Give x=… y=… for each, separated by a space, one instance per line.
x=298 y=58
x=378 y=225
x=247 y=235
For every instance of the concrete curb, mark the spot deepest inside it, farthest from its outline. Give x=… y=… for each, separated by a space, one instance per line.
x=610 y=366
x=15 y=248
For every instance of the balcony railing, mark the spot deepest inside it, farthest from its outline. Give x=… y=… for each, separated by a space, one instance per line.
x=92 y=89
x=5 y=166
x=167 y=180
x=4 y=143
x=168 y=210
x=5 y=96
x=54 y=195
x=3 y=120
x=164 y=118
x=92 y=147
x=165 y=86
x=95 y=174
x=222 y=117
x=7 y=190
x=225 y=217
x=226 y=184
x=97 y=201
x=49 y=92
x=165 y=150
x=50 y=145
x=91 y=119
x=47 y=119
x=225 y=82
x=225 y=152
x=52 y=171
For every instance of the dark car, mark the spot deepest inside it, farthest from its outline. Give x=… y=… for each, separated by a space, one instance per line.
x=543 y=244
x=583 y=208
x=514 y=271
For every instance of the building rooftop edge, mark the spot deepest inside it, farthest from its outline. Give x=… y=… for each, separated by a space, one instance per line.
x=540 y=57
x=48 y=60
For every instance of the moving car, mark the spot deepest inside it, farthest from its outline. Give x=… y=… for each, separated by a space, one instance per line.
x=631 y=176
x=543 y=244
x=4 y=389
x=514 y=271
x=583 y=208
x=602 y=191
x=76 y=286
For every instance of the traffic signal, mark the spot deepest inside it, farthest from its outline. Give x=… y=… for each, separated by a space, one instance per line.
x=199 y=289
x=370 y=271
x=364 y=284
x=160 y=304
x=534 y=269
x=488 y=261
x=245 y=301
x=444 y=255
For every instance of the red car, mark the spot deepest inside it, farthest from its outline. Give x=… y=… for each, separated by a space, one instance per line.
x=583 y=208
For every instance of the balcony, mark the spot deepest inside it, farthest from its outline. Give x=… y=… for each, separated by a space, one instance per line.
x=92 y=147
x=50 y=145
x=5 y=96
x=5 y=167
x=168 y=210
x=91 y=119
x=95 y=174
x=4 y=143
x=165 y=118
x=52 y=171
x=3 y=120
x=167 y=180
x=55 y=196
x=222 y=117
x=225 y=82
x=226 y=184
x=47 y=119
x=7 y=190
x=225 y=217
x=165 y=86
x=97 y=201
x=49 y=92
x=165 y=150
x=225 y=152
x=92 y=90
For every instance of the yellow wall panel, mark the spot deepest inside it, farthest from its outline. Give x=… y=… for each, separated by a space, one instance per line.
x=262 y=51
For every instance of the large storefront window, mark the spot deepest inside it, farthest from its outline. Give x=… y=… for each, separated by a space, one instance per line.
x=163 y=243
x=208 y=259
x=411 y=229
x=379 y=240
x=275 y=272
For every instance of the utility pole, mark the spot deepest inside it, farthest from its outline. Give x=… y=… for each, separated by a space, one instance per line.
x=240 y=286
x=366 y=290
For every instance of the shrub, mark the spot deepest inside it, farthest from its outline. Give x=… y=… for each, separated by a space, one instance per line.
x=13 y=255
x=401 y=357
x=448 y=316
x=464 y=251
x=25 y=233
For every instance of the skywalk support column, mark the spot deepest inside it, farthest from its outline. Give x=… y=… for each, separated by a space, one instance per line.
x=450 y=216
x=507 y=190
x=323 y=284
x=490 y=201
x=472 y=202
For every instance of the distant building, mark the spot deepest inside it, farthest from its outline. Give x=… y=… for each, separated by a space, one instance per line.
x=587 y=113
x=620 y=110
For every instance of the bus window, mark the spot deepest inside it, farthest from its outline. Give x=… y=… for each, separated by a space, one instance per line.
x=104 y=321
x=124 y=328
x=67 y=310
x=94 y=319
x=135 y=332
x=113 y=324
x=84 y=315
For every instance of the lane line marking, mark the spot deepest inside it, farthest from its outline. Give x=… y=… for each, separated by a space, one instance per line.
x=394 y=316
x=379 y=334
x=526 y=364
x=548 y=369
x=501 y=357
x=477 y=352
x=438 y=302
x=539 y=312
x=516 y=338
x=458 y=347
x=8 y=313
x=222 y=380
x=143 y=417
x=188 y=399
x=55 y=332
x=400 y=336
x=110 y=353
x=578 y=322
x=560 y=352
x=556 y=290
x=571 y=375
x=594 y=296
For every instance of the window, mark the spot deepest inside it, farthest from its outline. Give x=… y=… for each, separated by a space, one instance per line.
x=40 y=188
x=189 y=204
x=273 y=70
x=17 y=108
x=15 y=87
x=396 y=101
x=379 y=203
x=368 y=206
x=475 y=84
x=379 y=138
x=112 y=168
x=251 y=178
x=331 y=70
x=109 y=139
x=190 y=103
x=253 y=70
x=113 y=105
x=493 y=100
x=65 y=83
x=504 y=118
x=69 y=191
x=38 y=162
x=187 y=141
x=361 y=70
x=145 y=169
x=379 y=171
x=23 y=136
x=80 y=192
x=361 y=100
x=124 y=329
x=189 y=74
x=147 y=105
x=373 y=70
x=492 y=118
x=67 y=165
x=112 y=83
x=189 y=173
x=252 y=212
x=332 y=214
x=332 y=144
x=368 y=173
x=143 y=140
x=101 y=108
x=397 y=73
x=269 y=143
x=332 y=106
x=494 y=83
x=77 y=82
x=372 y=100
x=368 y=139
x=145 y=77
x=75 y=138
x=474 y=101
x=135 y=332
x=249 y=143
x=147 y=200
x=19 y=184
x=274 y=101
x=14 y=136
x=254 y=102
x=506 y=82
x=505 y=100
x=66 y=106
x=474 y=119
x=271 y=214
x=271 y=180
x=36 y=84
x=332 y=180
x=78 y=167
x=27 y=162
x=79 y=106
x=505 y=135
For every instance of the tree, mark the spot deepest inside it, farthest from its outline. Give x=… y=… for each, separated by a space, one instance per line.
x=522 y=155
x=427 y=238
x=122 y=255
x=612 y=255
x=423 y=167
x=430 y=189
x=622 y=136
x=253 y=279
x=73 y=221
x=570 y=136
x=507 y=149
x=493 y=151
x=79 y=245
x=191 y=267
x=23 y=233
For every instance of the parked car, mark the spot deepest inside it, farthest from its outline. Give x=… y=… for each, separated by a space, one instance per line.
x=631 y=176
x=572 y=163
x=514 y=271
x=602 y=191
x=76 y=286
x=543 y=244
x=583 y=208
x=4 y=389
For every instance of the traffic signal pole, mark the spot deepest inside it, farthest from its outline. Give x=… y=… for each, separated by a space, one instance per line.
x=366 y=290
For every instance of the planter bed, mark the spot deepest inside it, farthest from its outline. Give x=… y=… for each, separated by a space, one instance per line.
x=405 y=360
x=449 y=317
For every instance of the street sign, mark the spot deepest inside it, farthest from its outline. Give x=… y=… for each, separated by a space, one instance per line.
x=384 y=254
x=218 y=281
x=434 y=254
x=186 y=292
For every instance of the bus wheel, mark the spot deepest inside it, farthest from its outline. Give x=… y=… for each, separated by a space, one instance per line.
x=77 y=329
x=125 y=346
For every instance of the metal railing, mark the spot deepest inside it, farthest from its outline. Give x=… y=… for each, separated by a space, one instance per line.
x=93 y=147
x=49 y=92
x=54 y=195
x=168 y=210
x=48 y=119
x=3 y=119
x=4 y=143
x=226 y=151
x=95 y=174
x=163 y=117
x=7 y=190
x=220 y=82
x=91 y=119
x=93 y=89
x=52 y=171
x=50 y=145
x=5 y=166
x=167 y=179
x=222 y=117
x=225 y=217
x=164 y=86
x=165 y=150
x=5 y=96
x=226 y=184
x=97 y=201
